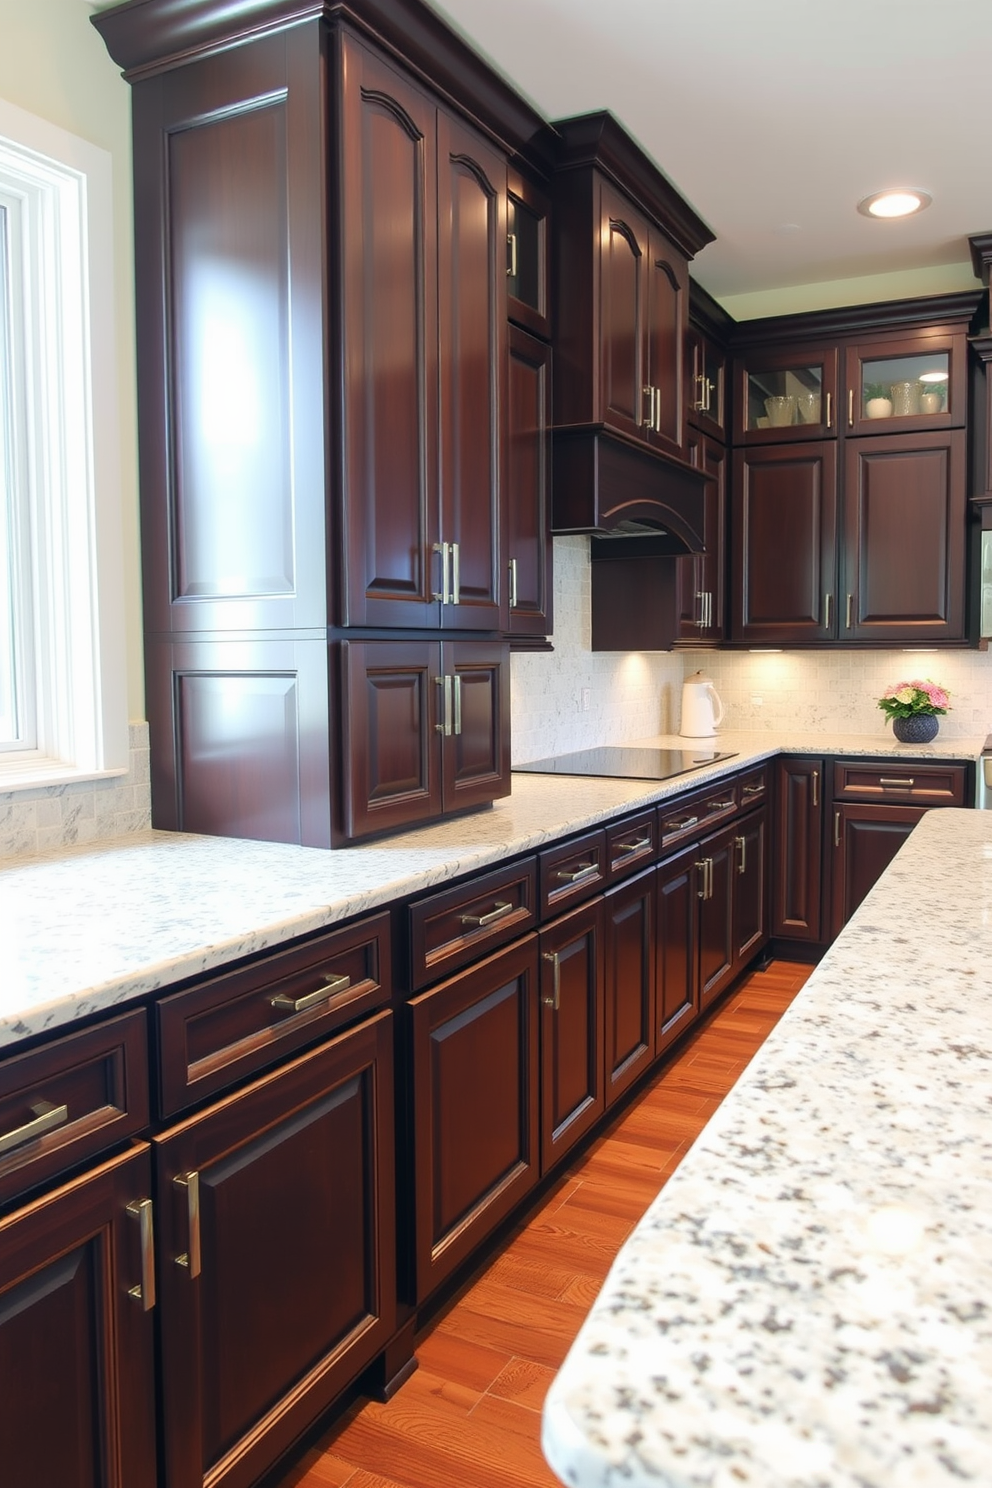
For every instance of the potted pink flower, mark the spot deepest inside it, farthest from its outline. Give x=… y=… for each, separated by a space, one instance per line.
x=913 y=708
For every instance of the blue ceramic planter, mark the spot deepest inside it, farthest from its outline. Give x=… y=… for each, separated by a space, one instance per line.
x=919 y=729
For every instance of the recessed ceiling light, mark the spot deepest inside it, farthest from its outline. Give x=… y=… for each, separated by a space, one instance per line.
x=902 y=203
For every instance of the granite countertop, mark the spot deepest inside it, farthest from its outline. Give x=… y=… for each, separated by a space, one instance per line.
x=808 y=1302
x=87 y=929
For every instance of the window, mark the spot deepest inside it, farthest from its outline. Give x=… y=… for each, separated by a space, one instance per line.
x=63 y=709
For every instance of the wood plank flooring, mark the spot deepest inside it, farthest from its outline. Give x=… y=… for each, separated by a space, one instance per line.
x=470 y=1416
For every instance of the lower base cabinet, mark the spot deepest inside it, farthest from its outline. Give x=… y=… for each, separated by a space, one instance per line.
x=275 y=1209
x=865 y=839
x=799 y=792
x=77 y=1334
x=573 y=1093
x=631 y=948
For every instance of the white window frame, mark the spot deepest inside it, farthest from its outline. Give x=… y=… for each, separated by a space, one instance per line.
x=70 y=460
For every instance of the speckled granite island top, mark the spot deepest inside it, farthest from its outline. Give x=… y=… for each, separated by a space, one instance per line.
x=808 y=1303
x=89 y=929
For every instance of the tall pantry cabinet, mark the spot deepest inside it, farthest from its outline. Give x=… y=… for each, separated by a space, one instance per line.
x=322 y=271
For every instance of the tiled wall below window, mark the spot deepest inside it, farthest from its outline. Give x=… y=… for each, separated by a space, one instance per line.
x=53 y=816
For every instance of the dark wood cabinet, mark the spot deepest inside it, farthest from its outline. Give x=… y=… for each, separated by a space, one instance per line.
x=677 y=980
x=865 y=840
x=528 y=487
x=474 y=1106
x=528 y=240
x=799 y=795
x=701 y=577
x=275 y=1212
x=706 y=388
x=716 y=870
x=77 y=1332
x=425 y=730
x=572 y=1029
x=752 y=921
x=629 y=914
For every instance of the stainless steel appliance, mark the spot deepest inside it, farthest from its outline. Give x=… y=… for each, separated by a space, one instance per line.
x=983 y=777
x=626 y=762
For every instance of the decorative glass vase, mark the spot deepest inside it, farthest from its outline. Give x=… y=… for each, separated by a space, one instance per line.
x=919 y=728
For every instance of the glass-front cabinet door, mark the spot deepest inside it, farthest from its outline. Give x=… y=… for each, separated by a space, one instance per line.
x=527 y=248
x=906 y=384
x=786 y=395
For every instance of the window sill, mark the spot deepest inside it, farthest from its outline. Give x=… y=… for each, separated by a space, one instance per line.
x=36 y=774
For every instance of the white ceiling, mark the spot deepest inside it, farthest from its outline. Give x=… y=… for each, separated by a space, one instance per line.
x=773 y=118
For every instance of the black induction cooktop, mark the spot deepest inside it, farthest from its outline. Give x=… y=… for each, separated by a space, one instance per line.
x=627 y=762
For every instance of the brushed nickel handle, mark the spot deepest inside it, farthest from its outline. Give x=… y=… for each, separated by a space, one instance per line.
x=816 y=787
x=905 y=783
x=513 y=583
x=456 y=572
x=445 y=550
x=709 y=609
x=657 y=410
x=331 y=987
x=445 y=684
x=701 y=869
x=629 y=848
x=144 y=1292
x=499 y=911
x=578 y=875
x=721 y=805
x=708 y=386
x=456 y=687
x=648 y=392
x=680 y=826
x=753 y=790
x=555 y=1000
x=828 y=604
x=701 y=596
x=830 y=418
x=850 y=407
x=700 y=403
x=742 y=844
x=190 y=1259
x=836 y=829
x=850 y=611
x=511 y=243
x=46 y=1118
x=709 y=878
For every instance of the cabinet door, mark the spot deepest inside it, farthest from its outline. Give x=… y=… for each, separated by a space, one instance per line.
x=472 y=333
x=905 y=517
x=784 y=521
x=798 y=848
x=676 y=978
x=701 y=577
x=865 y=840
x=77 y=1335
x=388 y=249
x=665 y=323
x=528 y=238
x=625 y=399
x=277 y=1256
x=630 y=974
x=706 y=371
x=750 y=887
x=717 y=962
x=393 y=703
x=572 y=1004
x=528 y=486
x=475 y=755
x=475 y=1106
x=781 y=396
x=908 y=381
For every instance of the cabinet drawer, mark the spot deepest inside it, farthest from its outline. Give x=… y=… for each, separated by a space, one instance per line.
x=900 y=781
x=571 y=872
x=66 y=1101
x=631 y=844
x=690 y=815
x=222 y=1029
x=752 y=788
x=450 y=929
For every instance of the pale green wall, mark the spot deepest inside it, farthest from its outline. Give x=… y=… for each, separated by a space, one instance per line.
x=907 y=285
x=54 y=65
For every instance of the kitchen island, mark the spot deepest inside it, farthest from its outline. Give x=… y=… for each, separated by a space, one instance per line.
x=809 y=1300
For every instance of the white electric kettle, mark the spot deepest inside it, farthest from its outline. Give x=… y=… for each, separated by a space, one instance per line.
x=702 y=709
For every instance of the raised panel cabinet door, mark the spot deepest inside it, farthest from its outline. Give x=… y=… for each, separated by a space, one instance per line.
x=865 y=840
x=751 y=920
x=629 y=912
x=388 y=249
x=623 y=289
x=667 y=313
x=677 y=964
x=905 y=520
x=276 y=1256
x=784 y=520
x=474 y=1094
x=393 y=704
x=472 y=331
x=572 y=1029
x=77 y=1333
x=528 y=486
x=476 y=730
x=717 y=962
x=230 y=218
x=798 y=874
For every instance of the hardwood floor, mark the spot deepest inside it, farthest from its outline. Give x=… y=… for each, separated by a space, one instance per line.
x=470 y=1416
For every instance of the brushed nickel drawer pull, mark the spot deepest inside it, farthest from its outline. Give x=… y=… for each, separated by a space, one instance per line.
x=648 y=423
x=331 y=987
x=828 y=601
x=445 y=684
x=754 y=790
x=578 y=875
x=720 y=805
x=816 y=787
x=705 y=867
x=445 y=550
x=190 y=1260
x=701 y=596
x=511 y=243
x=680 y=826
x=829 y=411
x=555 y=1000
x=629 y=848
x=144 y=1292
x=906 y=783
x=742 y=844
x=850 y=407
x=456 y=573
x=46 y=1118
x=513 y=583
x=836 y=829
x=850 y=612
x=499 y=911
